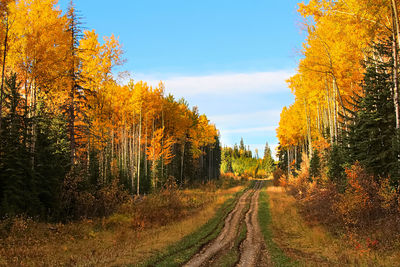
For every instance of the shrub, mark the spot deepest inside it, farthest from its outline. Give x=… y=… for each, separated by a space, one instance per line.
x=318 y=204
x=277 y=175
x=78 y=201
x=298 y=185
x=360 y=204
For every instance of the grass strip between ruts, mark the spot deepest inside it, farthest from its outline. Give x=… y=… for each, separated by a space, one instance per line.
x=278 y=257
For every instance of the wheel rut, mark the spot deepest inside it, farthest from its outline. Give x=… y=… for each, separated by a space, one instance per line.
x=251 y=247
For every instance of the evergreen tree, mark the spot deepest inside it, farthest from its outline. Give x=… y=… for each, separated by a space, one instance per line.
x=15 y=169
x=315 y=165
x=371 y=138
x=336 y=169
x=268 y=161
x=241 y=145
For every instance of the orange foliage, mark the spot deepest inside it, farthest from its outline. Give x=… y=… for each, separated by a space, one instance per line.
x=338 y=37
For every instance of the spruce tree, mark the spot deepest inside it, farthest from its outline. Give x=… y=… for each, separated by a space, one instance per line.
x=336 y=169
x=315 y=164
x=268 y=161
x=371 y=137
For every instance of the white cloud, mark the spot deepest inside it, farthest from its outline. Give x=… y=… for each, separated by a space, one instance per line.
x=249 y=130
x=259 y=117
x=220 y=84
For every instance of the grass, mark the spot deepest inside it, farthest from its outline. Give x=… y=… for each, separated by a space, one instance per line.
x=278 y=257
x=120 y=239
x=183 y=250
x=310 y=244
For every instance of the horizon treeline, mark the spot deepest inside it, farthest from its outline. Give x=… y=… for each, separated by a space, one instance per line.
x=240 y=161
x=74 y=140
x=346 y=107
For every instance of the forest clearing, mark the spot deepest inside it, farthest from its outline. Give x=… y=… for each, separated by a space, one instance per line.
x=195 y=138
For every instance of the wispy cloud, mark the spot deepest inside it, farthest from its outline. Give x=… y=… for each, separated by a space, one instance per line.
x=220 y=84
x=258 y=117
x=249 y=130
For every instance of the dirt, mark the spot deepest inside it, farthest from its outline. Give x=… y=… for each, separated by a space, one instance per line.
x=251 y=248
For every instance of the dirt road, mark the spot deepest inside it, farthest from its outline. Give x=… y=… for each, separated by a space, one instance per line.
x=251 y=248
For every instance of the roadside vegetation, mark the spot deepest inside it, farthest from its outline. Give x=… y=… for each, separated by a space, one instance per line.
x=313 y=243
x=136 y=231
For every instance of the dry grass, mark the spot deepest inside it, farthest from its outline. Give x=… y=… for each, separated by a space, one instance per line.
x=313 y=245
x=117 y=240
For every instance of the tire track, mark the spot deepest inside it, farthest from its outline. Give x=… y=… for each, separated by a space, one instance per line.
x=252 y=245
x=228 y=234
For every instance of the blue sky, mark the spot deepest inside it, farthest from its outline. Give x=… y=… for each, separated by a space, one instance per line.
x=228 y=57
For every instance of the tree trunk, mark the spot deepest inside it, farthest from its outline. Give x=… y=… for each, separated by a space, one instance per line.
x=182 y=157
x=153 y=164
x=308 y=120
x=33 y=133
x=395 y=62
x=162 y=144
x=335 y=112
x=3 y=71
x=139 y=149
x=133 y=171
x=288 y=161
x=145 y=147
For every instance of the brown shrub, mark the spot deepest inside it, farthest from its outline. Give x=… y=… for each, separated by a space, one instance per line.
x=298 y=186
x=360 y=205
x=317 y=205
x=277 y=175
x=166 y=206
x=79 y=202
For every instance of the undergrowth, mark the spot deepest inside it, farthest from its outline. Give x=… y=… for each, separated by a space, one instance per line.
x=363 y=211
x=117 y=239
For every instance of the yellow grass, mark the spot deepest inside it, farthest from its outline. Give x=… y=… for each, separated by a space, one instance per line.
x=312 y=245
x=91 y=243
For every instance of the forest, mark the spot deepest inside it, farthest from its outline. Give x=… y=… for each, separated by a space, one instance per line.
x=339 y=141
x=77 y=138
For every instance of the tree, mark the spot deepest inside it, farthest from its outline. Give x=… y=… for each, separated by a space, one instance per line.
x=268 y=161
x=371 y=138
x=315 y=165
x=336 y=171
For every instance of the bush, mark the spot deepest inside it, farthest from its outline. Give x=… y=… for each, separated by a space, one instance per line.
x=318 y=204
x=277 y=175
x=360 y=204
x=170 y=204
x=78 y=201
x=298 y=185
